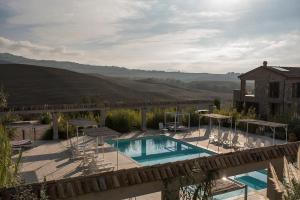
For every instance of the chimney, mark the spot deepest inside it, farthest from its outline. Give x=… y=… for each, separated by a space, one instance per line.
x=265 y=64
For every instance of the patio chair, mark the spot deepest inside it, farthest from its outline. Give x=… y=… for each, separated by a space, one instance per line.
x=225 y=139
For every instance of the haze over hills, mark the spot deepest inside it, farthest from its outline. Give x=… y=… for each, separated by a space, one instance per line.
x=113 y=71
x=29 y=84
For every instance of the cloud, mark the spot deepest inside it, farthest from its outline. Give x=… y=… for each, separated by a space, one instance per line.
x=191 y=35
x=36 y=51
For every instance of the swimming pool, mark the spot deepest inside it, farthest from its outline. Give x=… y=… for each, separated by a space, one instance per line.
x=160 y=149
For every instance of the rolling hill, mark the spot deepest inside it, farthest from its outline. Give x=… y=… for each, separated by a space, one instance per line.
x=113 y=71
x=29 y=84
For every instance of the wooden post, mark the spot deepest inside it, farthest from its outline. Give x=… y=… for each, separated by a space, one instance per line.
x=246 y=192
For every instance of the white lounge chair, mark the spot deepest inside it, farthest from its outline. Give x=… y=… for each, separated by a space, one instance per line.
x=250 y=143
x=267 y=143
x=235 y=143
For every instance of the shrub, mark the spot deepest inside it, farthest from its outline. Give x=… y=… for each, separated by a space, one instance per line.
x=154 y=118
x=123 y=120
x=45 y=118
x=8 y=167
x=48 y=134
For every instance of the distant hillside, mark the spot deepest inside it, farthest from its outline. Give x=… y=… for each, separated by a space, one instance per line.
x=28 y=84
x=215 y=86
x=113 y=71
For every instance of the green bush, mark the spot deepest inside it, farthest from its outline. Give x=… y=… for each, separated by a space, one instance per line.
x=123 y=120
x=45 y=118
x=154 y=118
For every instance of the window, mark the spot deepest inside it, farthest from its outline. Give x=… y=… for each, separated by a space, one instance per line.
x=296 y=90
x=250 y=88
x=274 y=89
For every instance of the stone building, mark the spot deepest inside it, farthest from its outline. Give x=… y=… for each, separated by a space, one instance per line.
x=271 y=90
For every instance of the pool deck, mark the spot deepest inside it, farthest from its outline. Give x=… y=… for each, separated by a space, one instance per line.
x=52 y=159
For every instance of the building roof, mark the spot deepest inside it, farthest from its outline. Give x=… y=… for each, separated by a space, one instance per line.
x=288 y=72
x=216 y=116
x=77 y=186
x=101 y=131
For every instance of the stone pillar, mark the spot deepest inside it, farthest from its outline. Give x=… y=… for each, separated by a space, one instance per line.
x=103 y=117
x=271 y=192
x=144 y=119
x=55 y=126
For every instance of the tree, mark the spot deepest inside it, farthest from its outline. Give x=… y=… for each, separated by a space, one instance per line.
x=217 y=103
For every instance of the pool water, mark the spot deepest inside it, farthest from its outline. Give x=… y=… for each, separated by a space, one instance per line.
x=160 y=149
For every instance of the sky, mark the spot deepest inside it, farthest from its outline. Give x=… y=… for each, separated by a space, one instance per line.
x=215 y=36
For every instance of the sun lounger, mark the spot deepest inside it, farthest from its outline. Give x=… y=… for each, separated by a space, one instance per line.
x=97 y=165
x=21 y=144
x=212 y=138
x=178 y=128
x=258 y=143
x=218 y=138
x=236 y=144
x=250 y=143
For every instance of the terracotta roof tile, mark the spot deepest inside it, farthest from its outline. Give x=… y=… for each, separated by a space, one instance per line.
x=102 y=183
x=78 y=187
x=143 y=175
x=156 y=174
x=150 y=175
x=137 y=178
